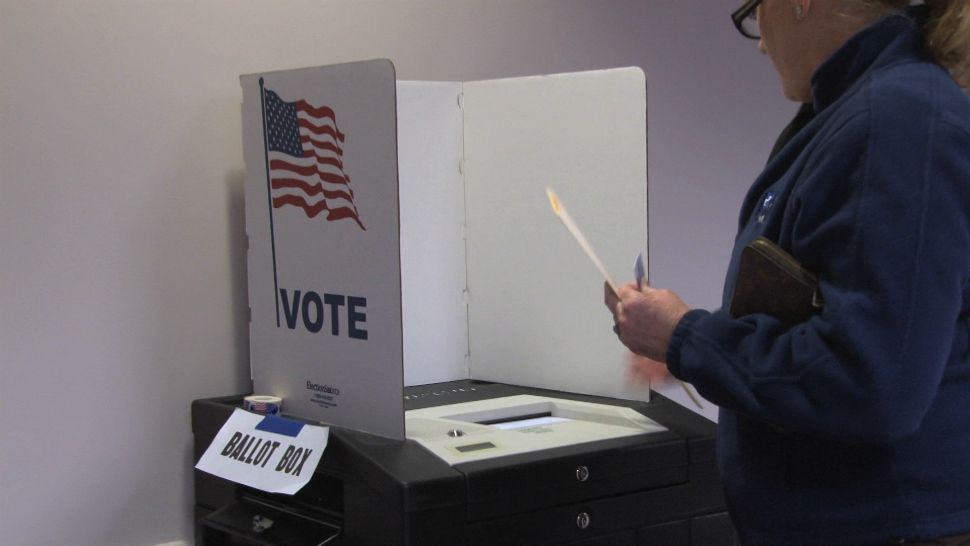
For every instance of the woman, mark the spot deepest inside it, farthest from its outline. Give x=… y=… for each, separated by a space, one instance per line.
x=853 y=426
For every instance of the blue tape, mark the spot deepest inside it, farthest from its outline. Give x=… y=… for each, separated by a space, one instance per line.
x=280 y=425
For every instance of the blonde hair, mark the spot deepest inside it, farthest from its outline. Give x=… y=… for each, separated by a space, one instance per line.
x=948 y=37
x=947 y=33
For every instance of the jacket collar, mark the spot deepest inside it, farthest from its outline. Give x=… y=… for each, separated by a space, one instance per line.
x=861 y=54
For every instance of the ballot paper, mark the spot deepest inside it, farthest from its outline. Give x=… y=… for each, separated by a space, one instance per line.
x=266 y=452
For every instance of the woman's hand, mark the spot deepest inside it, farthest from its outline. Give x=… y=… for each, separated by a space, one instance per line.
x=642 y=371
x=645 y=319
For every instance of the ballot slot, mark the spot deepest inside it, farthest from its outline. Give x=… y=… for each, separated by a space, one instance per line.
x=514 y=420
x=483 y=429
x=528 y=421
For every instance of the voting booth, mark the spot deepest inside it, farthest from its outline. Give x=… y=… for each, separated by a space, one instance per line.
x=410 y=288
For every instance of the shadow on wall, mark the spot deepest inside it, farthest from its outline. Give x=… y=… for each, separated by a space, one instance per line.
x=238 y=280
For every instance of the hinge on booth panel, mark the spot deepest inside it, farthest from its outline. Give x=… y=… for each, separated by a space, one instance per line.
x=465 y=297
x=461 y=150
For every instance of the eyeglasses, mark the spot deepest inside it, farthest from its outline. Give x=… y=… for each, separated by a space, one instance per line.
x=746 y=19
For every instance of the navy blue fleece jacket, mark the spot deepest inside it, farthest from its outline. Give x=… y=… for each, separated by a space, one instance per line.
x=853 y=427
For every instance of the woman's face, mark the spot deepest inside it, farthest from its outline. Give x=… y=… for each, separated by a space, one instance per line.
x=786 y=40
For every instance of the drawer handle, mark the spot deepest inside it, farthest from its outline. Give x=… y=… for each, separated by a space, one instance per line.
x=261 y=523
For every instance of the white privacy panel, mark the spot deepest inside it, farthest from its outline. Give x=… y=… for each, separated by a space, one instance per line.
x=432 y=208
x=536 y=315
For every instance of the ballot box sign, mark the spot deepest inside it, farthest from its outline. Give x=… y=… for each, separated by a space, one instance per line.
x=267 y=452
x=324 y=256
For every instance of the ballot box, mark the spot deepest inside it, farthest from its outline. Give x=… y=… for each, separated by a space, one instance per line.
x=411 y=287
x=654 y=486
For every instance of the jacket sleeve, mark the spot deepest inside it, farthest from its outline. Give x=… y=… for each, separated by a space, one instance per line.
x=881 y=213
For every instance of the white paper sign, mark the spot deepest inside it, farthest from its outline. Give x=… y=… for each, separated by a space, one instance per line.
x=267 y=452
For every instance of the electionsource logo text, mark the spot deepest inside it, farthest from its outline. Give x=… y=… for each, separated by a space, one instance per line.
x=310 y=385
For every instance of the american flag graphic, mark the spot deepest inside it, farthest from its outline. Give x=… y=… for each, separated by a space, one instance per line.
x=305 y=154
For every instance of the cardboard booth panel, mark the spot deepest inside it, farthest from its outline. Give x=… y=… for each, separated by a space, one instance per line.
x=429 y=129
x=400 y=233
x=585 y=135
x=536 y=316
x=324 y=255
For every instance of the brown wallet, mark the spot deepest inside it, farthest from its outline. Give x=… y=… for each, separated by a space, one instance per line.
x=772 y=282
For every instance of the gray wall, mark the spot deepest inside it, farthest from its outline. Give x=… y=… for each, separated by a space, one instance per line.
x=122 y=255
